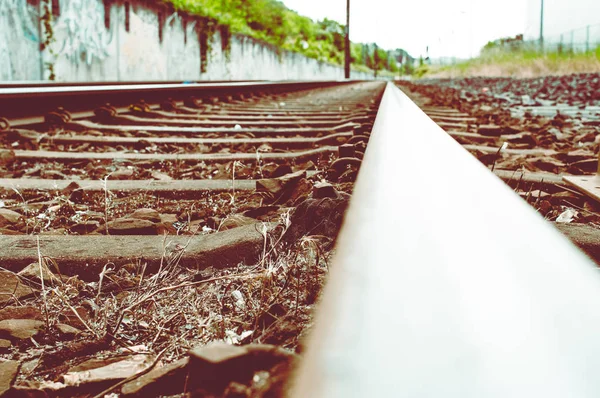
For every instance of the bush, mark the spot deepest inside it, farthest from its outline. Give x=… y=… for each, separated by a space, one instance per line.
x=273 y=22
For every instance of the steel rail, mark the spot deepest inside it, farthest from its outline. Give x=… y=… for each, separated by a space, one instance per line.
x=26 y=104
x=34 y=83
x=447 y=284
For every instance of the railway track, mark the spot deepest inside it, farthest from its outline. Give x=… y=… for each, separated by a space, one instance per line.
x=448 y=283
x=75 y=176
x=180 y=216
x=140 y=189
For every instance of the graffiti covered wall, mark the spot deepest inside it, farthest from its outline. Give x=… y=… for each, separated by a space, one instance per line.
x=117 y=40
x=19 y=41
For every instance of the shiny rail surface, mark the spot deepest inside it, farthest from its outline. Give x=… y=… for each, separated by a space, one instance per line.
x=436 y=289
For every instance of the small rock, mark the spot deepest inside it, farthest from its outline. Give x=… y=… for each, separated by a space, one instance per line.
x=6 y=156
x=535 y=194
x=545 y=207
x=310 y=165
x=53 y=175
x=165 y=380
x=276 y=186
x=318 y=217
x=211 y=222
x=67 y=330
x=25 y=312
x=216 y=365
x=94 y=363
x=547 y=163
x=122 y=174
x=300 y=192
x=69 y=318
x=235 y=389
x=273 y=313
x=234 y=221
x=526 y=100
x=54 y=232
x=5 y=346
x=31 y=273
x=522 y=138
x=172 y=218
x=110 y=372
x=585 y=166
x=161 y=176
x=23 y=135
x=265 y=148
x=35 y=389
x=130 y=226
x=167 y=224
x=585 y=137
x=10 y=218
x=580 y=154
x=12 y=288
x=85 y=227
x=282 y=170
x=274 y=383
x=559 y=198
x=8 y=374
x=557 y=133
x=146 y=214
x=20 y=329
x=95 y=216
x=69 y=189
x=324 y=190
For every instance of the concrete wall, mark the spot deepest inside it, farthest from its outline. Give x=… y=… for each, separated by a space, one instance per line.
x=20 y=57
x=84 y=49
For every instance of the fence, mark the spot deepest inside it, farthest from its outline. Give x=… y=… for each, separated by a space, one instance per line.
x=583 y=39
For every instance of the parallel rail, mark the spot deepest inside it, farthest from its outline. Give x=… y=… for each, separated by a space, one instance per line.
x=186 y=133
x=437 y=289
x=26 y=104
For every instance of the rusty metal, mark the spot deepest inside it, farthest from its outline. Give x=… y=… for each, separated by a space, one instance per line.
x=84 y=125
x=268 y=124
x=157 y=157
x=18 y=104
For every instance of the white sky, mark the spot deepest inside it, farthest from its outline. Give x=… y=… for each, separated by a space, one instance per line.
x=449 y=27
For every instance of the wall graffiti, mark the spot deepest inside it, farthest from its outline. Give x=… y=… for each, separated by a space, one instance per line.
x=22 y=15
x=80 y=32
x=83 y=49
x=6 y=72
x=19 y=35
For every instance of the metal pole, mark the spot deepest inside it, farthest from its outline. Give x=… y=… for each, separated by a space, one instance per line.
x=347 y=47
x=542 y=26
x=587 y=39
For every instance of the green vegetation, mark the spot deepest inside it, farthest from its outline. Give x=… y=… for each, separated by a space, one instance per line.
x=513 y=57
x=272 y=22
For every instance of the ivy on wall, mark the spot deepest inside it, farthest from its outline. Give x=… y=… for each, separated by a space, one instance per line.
x=272 y=22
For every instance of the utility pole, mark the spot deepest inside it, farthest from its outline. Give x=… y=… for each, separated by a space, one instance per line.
x=347 y=46
x=587 y=39
x=542 y=27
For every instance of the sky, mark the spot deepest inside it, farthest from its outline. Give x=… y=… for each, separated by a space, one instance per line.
x=450 y=28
